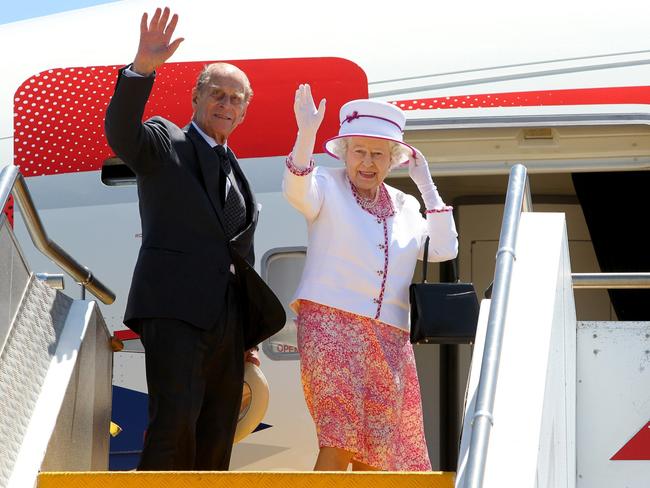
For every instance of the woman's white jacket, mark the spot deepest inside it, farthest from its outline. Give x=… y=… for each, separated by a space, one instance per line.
x=355 y=261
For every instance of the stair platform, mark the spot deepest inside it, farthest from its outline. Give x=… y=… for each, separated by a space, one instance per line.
x=247 y=479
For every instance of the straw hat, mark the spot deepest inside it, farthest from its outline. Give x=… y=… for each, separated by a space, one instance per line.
x=255 y=401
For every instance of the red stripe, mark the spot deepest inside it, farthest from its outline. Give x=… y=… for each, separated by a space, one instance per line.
x=59 y=113
x=637 y=448
x=9 y=210
x=126 y=335
x=577 y=96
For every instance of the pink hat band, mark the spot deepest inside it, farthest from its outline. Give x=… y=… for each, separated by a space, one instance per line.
x=357 y=115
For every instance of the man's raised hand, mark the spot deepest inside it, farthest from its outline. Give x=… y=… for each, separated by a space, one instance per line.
x=155 y=47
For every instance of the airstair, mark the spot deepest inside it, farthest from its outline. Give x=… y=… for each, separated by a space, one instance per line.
x=55 y=358
x=551 y=402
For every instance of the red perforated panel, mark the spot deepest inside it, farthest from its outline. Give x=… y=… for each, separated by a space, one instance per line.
x=59 y=113
x=578 y=96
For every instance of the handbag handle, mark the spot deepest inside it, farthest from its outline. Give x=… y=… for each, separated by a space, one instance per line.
x=425 y=261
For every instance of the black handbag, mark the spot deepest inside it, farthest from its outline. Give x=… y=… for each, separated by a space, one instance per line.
x=442 y=313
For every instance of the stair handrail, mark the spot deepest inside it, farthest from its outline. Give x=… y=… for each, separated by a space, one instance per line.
x=610 y=281
x=12 y=182
x=518 y=199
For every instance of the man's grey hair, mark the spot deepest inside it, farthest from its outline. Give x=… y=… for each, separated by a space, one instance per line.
x=207 y=71
x=398 y=152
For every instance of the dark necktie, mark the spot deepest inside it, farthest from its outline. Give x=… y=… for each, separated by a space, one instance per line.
x=234 y=206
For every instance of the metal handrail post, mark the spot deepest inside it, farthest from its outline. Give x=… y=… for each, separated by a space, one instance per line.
x=8 y=178
x=518 y=195
x=12 y=181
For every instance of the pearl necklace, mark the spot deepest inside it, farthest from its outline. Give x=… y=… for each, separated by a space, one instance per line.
x=366 y=202
x=380 y=205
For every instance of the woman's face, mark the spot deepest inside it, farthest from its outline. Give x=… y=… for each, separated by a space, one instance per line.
x=367 y=161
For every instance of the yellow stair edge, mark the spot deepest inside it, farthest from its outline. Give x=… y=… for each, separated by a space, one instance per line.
x=245 y=479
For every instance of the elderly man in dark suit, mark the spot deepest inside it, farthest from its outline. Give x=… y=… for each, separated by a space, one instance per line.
x=195 y=300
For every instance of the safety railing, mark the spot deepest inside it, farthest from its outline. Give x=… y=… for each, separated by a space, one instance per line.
x=518 y=199
x=12 y=182
x=595 y=281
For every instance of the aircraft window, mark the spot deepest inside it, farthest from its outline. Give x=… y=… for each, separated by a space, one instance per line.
x=116 y=173
x=282 y=269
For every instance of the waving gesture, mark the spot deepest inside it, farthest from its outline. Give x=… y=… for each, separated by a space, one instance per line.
x=155 y=47
x=307 y=117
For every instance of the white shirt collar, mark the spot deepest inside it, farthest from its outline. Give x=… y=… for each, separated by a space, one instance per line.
x=209 y=139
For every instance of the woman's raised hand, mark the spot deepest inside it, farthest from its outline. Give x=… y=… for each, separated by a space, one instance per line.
x=421 y=175
x=155 y=47
x=307 y=117
x=419 y=168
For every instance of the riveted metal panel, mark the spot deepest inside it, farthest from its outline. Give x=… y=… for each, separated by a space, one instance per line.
x=613 y=405
x=80 y=440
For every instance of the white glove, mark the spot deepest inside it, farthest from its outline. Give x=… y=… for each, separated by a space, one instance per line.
x=421 y=176
x=308 y=120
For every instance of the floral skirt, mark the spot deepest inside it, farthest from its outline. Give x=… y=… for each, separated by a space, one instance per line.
x=361 y=387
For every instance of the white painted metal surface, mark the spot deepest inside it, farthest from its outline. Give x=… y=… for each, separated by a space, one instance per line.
x=532 y=443
x=472 y=384
x=80 y=441
x=613 y=402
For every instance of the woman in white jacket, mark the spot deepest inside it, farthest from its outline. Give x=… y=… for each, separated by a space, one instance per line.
x=357 y=365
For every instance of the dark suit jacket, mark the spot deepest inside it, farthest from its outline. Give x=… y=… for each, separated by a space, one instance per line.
x=183 y=268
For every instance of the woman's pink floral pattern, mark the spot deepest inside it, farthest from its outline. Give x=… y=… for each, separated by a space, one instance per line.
x=361 y=387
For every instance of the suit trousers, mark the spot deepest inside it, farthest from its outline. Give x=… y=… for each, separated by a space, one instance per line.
x=195 y=381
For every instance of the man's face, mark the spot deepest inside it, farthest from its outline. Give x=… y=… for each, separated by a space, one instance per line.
x=220 y=105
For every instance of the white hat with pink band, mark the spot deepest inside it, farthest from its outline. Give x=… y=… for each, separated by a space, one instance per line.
x=371 y=118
